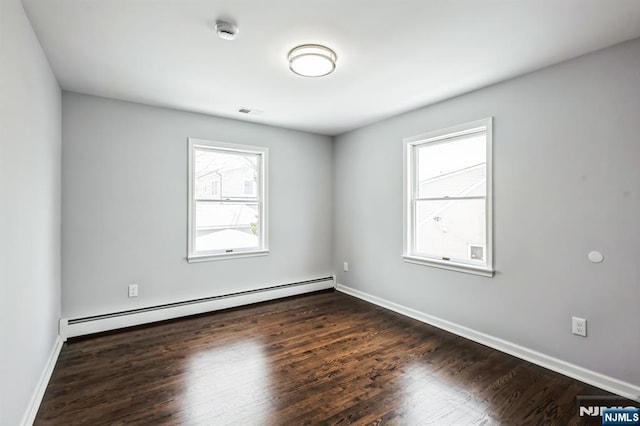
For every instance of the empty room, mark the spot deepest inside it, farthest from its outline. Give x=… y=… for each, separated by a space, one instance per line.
x=291 y=212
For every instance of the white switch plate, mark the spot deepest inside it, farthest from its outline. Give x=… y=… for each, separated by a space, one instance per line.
x=579 y=326
x=346 y=266
x=133 y=290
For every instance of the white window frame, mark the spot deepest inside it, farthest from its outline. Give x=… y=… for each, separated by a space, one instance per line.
x=409 y=196
x=262 y=191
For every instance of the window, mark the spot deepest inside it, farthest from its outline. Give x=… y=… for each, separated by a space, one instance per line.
x=227 y=200
x=249 y=187
x=447 y=198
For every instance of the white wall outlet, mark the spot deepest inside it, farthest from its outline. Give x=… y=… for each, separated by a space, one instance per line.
x=579 y=326
x=133 y=290
x=346 y=266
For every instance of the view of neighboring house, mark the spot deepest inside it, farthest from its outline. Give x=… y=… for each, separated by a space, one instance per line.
x=455 y=227
x=226 y=208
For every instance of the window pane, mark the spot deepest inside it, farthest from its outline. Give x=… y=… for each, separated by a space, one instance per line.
x=221 y=226
x=249 y=188
x=453 y=168
x=220 y=174
x=453 y=229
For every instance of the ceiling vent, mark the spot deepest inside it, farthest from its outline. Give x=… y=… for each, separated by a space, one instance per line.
x=249 y=111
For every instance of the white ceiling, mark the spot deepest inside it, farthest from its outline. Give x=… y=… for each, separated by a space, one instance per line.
x=393 y=55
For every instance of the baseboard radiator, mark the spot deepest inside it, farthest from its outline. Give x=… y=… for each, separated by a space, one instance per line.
x=73 y=327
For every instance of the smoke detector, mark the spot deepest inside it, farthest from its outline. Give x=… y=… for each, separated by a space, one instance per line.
x=226 y=30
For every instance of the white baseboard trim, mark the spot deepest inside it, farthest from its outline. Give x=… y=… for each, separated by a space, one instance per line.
x=34 y=404
x=611 y=384
x=72 y=327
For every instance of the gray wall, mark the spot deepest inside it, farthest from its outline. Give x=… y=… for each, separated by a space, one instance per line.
x=29 y=211
x=124 y=206
x=566 y=181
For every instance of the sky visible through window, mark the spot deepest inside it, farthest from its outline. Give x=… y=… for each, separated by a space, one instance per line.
x=441 y=158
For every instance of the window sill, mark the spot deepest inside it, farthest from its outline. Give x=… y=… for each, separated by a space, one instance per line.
x=225 y=256
x=468 y=269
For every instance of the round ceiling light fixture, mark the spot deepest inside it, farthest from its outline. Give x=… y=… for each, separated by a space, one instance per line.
x=312 y=60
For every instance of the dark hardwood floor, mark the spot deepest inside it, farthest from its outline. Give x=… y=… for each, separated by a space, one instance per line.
x=322 y=358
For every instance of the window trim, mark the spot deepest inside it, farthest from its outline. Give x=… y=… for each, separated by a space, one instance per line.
x=409 y=188
x=263 y=197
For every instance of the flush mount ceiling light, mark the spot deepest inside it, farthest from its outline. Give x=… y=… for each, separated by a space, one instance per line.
x=312 y=60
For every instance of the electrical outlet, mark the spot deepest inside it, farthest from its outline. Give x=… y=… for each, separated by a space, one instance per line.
x=346 y=266
x=133 y=290
x=579 y=326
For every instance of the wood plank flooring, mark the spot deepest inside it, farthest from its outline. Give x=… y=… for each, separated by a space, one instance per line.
x=324 y=358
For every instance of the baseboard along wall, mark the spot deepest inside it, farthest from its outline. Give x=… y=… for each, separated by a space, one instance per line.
x=82 y=326
x=611 y=384
x=99 y=323
x=36 y=398
x=73 y=327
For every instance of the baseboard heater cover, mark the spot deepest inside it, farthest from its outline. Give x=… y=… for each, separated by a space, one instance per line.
x=73 y=327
